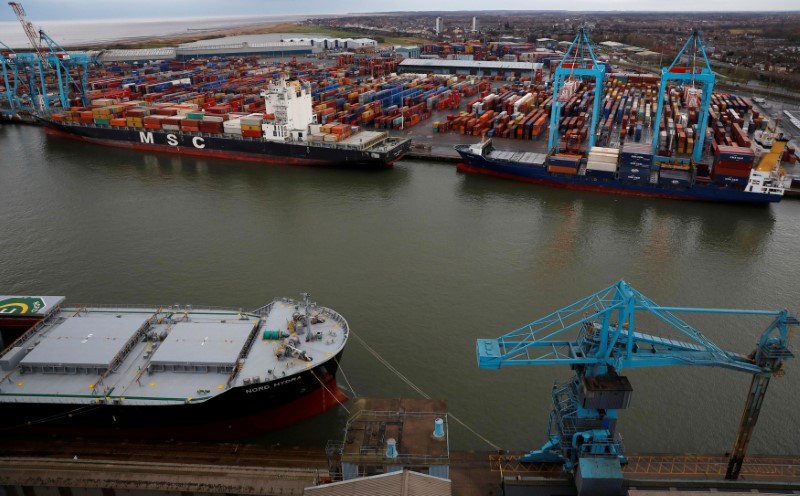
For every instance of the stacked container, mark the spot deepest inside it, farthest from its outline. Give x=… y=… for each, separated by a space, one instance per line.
x=563 y=163
x=635 y=162
x=732 y=164
x=602 y=162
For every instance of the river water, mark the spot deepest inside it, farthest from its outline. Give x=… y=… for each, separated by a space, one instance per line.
x=422 y=261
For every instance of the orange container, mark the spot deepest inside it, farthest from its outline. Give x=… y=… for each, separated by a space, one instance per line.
x=559 y=169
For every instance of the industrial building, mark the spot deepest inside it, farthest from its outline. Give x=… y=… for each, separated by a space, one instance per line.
x=405 y=482
x=470 y=67
x=335 y=43
x=407 y=52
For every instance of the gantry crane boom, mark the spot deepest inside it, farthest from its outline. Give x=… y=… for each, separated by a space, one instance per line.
x=598 y=337
x=30 y=31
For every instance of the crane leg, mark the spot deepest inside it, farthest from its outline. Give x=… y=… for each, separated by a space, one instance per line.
x=755 y=398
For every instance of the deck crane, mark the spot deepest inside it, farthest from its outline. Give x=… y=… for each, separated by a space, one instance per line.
x=578 y=62
x=699 y=98
x=599 y=336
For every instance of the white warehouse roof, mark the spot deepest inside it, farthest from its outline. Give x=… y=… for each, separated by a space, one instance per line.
x=468 y=64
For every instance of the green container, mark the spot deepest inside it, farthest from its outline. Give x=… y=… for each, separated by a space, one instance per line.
x=102 y=121
x=269 y=335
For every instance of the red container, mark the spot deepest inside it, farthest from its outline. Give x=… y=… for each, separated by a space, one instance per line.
x=211 y=127
x=727 y=171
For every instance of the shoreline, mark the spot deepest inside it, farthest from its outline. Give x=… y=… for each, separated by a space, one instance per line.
x=169 y=40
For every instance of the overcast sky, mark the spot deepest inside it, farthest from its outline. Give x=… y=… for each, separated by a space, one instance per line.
x=40 y=10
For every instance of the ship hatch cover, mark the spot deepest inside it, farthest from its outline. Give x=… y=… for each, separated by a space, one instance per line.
x=202 y=346
x=84 y=342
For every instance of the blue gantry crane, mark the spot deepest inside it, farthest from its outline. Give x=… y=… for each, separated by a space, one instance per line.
x=579 y=62
x=692 y=76
x=10 y=101
x=24 y=78
x=62 y=63
x=598 y=337
x=29 y=72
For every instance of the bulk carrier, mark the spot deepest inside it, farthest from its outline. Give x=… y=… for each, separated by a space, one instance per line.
x=287 y=133
x=169 y=372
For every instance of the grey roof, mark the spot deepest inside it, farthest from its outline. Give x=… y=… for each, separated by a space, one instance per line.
x=467 y=64
x=136 y=54
x=408 y=482
x=84 y=342
x=203 y=344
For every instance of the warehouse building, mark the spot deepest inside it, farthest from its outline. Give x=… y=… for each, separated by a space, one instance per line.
x=470 y=67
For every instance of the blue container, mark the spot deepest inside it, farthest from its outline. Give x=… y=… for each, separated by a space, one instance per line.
x=625 y=169
x=634 y=177
x=737 y=157
x=638 y=162
x=736 y=180
x=564 y=161
x=674 y=178
x=599 y=174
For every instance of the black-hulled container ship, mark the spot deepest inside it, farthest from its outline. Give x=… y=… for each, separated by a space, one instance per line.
x=166 y=372
x=286 y=133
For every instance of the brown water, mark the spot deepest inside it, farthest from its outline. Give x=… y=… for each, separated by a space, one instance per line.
x=422 y=261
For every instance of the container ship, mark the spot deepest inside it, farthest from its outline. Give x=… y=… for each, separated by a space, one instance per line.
x=286 y=133
x=737 y=177
x=166 y=372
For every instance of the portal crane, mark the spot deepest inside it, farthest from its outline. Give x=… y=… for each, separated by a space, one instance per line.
x=698 y=98
x=598 y=337
x=578 y=62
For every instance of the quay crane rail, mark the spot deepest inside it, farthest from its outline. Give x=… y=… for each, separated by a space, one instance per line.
x=688 y=74
x=598 y=337
x=579 y=61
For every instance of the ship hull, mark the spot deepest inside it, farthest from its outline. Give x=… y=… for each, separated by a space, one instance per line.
x=239 y=413
x=474 y=163
x=226 y=147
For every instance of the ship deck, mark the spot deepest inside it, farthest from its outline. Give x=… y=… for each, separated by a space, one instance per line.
x=161 y=355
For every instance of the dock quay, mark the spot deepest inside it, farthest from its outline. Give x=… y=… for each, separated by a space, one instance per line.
x=30 y=466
